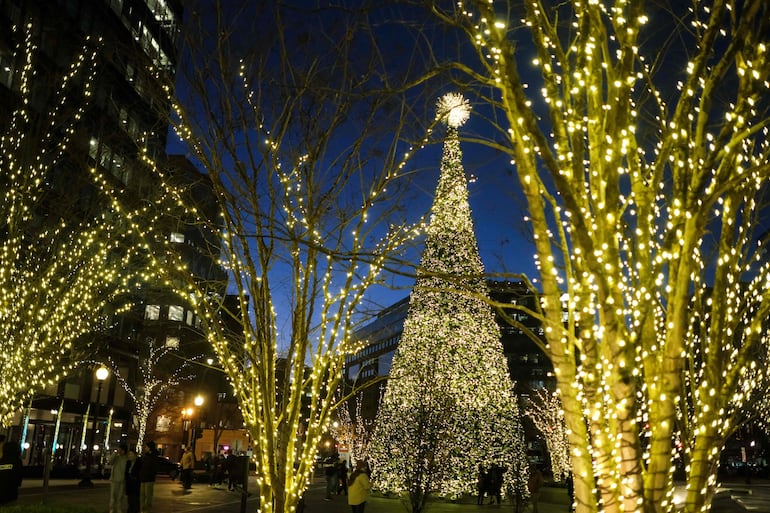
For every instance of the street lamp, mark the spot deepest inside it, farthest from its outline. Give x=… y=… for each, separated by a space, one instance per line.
x=198 y=401
x=101 y=374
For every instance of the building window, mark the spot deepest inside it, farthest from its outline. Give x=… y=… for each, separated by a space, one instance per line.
x=152 y=312
x=176 y=237
x=175 y=313
x=172 y=342
x=190 y=318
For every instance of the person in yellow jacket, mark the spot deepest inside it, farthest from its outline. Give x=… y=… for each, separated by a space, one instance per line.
x=187 y=464
x=359 y=487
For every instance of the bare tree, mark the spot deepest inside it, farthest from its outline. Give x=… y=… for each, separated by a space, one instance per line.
x=643 y=158
x=154 y=382
x=305 y=140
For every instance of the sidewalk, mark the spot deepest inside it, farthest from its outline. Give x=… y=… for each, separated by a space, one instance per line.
x=552 y=500
x=170 y=498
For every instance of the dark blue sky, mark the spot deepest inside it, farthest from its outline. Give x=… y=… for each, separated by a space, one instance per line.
x=493 y=192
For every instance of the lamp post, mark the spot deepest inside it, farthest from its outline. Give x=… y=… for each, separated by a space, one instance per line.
x=198 y=403
x=187 y=414
x=101 y=374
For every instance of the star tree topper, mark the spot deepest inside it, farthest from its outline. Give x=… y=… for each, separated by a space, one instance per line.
x=453 y=109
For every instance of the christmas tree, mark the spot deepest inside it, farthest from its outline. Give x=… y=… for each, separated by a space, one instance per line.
x=449 y=407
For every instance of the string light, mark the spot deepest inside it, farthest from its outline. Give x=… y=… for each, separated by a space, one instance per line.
x=654 y=334
x=60 y=277
x=449 y=398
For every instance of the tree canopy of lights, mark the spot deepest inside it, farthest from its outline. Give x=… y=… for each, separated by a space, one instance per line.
x=60 y=276
x=306 y=151
x=643 y=158
x=449 y=404
x=546 y=413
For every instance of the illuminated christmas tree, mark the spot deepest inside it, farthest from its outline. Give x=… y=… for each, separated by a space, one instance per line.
x=449 y=405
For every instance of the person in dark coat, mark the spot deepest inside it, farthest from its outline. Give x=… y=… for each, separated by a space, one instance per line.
x=342 y=477
x=133 y=484
x=147 y=475
x=330 y=471
x=482 y=484
x=235 y=469
x=495 y=483
x=10 y=472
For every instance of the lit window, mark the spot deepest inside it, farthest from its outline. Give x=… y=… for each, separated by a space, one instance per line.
x=176 y=237
x=172 y=342
x=152 y=312
x=190 y=318
x=175 y=313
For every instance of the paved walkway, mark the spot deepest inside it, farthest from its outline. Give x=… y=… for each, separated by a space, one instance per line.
x=170 y=498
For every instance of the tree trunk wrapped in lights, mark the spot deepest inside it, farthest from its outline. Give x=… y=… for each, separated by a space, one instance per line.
x=644 y=161
x=449 y=404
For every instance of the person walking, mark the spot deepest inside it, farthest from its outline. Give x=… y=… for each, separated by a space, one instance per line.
x=535 y=483
x=133 y=484
x=359 y=487
x=188 y=464
x=330 y=470
x=10 y=472
x=118 y=479
x=147 y=475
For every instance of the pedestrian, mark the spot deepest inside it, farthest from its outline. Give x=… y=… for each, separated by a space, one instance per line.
x=359 y=487
x=495 y=483
x=147 y=475
x=534 y=484
x=188 y=464
x=133 y=484
x=342 y=477
x=330 y=470
x=570 y=492
x=236 y=466
x=10 y=472
x=231 y=465
x=118 y=462
x=482 y=484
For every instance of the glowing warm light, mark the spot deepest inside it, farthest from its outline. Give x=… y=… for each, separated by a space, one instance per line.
x=448 y=397
x=60 y=274
x=102 y=373
x=643 y=196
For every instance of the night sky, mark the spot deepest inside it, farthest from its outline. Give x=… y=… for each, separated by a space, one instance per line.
x=496 y=203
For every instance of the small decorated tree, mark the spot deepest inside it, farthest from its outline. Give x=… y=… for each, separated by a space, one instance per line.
x=547 y=415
